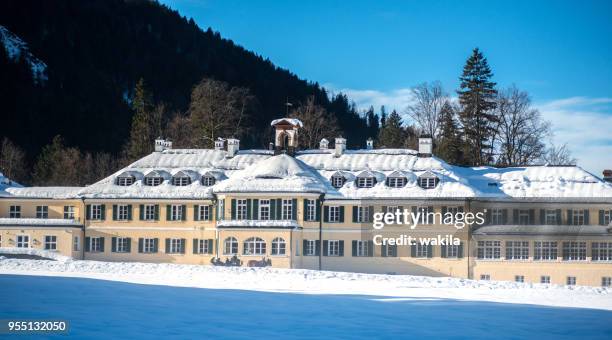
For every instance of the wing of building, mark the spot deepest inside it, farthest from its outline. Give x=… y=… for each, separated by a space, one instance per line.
x=372 y=210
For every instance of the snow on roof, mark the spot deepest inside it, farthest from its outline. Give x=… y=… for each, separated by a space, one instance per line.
x=6 y=183
x=582 y=230
x=292 y=121
x=46 y=192
x=377 y=160
x=5 y=221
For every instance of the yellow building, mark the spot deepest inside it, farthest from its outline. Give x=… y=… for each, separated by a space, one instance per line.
x=316 y=209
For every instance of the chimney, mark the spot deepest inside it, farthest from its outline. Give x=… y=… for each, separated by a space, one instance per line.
x=271 y=146
x=324 y=144
x=370 y=144
x=220 y=144
x=607 y=175
x=340 y=146
x=425 y=146
x=162 y=144
x=233 y=145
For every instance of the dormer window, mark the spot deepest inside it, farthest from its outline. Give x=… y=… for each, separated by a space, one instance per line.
x=208 y=181
x=428 y=180
x=181 y=181
x=153 y=181
x=396 y=182
x=365 y=182
x=125 y=180
x=338 y=181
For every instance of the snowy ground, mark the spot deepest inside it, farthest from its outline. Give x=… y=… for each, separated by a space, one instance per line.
x=385 y=287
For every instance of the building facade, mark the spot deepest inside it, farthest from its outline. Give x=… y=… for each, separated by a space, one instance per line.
x=315 y=209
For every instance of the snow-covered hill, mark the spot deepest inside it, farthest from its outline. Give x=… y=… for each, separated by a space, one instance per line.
x=17 y=48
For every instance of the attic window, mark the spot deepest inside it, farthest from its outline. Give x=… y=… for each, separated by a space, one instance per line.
x=428 y=182
x=337 y=181
x=365 y=182
x=125 y=181
x=181 y=181
x=396 y=182
x=153 y=181
x=492 y=184
x=208 y=181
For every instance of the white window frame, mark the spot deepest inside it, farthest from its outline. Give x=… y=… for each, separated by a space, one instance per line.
x=574 y=251
x=50 y=242
x=95 y=244
x=427 y=182
x=363 y=214
x=279 y=246
x=337 y=181
x=208 y=181
x=497 y=216
x=452 y=251
x=123 y=212
x=264 y=210
x=365 y=182
x=15 y=211
x=241 y=209
x=489 y=250
x=517 y=250
x=545 y=250
x=311 y=210
x=311 y=248
x=607 y=217
x=334 y=214
x=230 y=246
x=176 y=246
x=287 y=209
x=42 y=211
x=204 y=212
x=125 y=181
x=95 y=212
x=181 y=181
x=149 y=212
x=121 y=245
x=397 y=182
x=333 y=248
x=153 y=181
x=421 y=250
x=76 y=243
x=601 y=251
x=176 y=212
x=578 y=217
x=203 y=246
x=550 y=217
x=148 y=245
x=23 y=241
x=362 y=248
x=254 y=246
x=523 y=217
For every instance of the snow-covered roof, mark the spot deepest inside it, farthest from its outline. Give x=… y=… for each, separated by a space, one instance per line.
x=6 y=183
x=5 y=221
x=46 y=192
x=291 y=121
x=578 y=230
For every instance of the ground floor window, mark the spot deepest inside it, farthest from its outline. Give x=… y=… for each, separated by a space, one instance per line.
x=175 y=246
x=121 y=245
x=602 y=251
x=422 y=250
x=23 y=241
x=148 y=245
x=519 y=278
x=489 y=250
x=204 y=246
x=574 y=251
x=452 y=251
x=333 y=248
x=485 y=277
x=310 y=247
x=571 y=281
x=517 y=250
x=278 y=246
x=544 y=279
x=254 y=246
x=606 y=281
x=361 y=248
x=76 y=243
x=230 y=246
x=50 y=242
x=545 y=250
x=96 y=244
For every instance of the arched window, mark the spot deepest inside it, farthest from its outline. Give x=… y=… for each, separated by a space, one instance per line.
x=278 y=246
x=254 y=246
x=230 y=246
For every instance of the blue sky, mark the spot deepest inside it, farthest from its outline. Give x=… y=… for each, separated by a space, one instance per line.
x=558 y=51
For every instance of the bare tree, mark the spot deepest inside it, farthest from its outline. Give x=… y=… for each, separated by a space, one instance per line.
x=429 y=98
x=318 y=123
x=178 y=130
x=218 y=110
x=520 y=129
x=558 y=155
x=12 y=161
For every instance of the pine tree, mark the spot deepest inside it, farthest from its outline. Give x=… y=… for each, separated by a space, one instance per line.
x=144 y=124
x=373 y=122
x=383 y=115
x=477 y=98
x=392 y=134
x=449 y=145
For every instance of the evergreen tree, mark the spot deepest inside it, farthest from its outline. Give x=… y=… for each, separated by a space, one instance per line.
x=392 y=134
x=383 y=115
x=145 y=123
x=373 y=122
x=477 y=98
x=449 y=145
x=58 y=165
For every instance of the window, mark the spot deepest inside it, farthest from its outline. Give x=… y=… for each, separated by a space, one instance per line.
x=574 y=251
x=125 y=181
x=95 y=244
x=606 y=217
x=606 y=281
x=485 y=277
x=361 y=248
x=523 y=217
x=337 y=181
x=264 y=210
x=334 y=214
x=0 y=240
x=365 y=182
x=122 y=244
x=333 y=248
x=545 y=279
x=221 y=210
x=208 y=181
x=23 y=241
x=204 y=212
x=69 y=212
x=427 y=182
x=310 y=247
x=181 y=181
x=422 y=250
x=517 y=250
x=76 y=243
x=123 y=212
x=497 y=216
x=287 y=210
x=427 y=215
x=550 y=217
x=42 y=211
x=203 y=247
x=149 y=212
x=176 y=212
x=176 y=246
x=311 y=210
x=601 y=251
x=241 y=209
x=392 y=209
x=489 y=250
x=50 y=242
x=254 y=246
x=230 y=246
x=153 y=181
x=545 y=250
x=363 y=214
x=95 y=212
x=148 y=245
x=396 y=182
x=452 y=251
x=571 y=281
x=519 y=278
x=577 y=217
x=15 y=211
x=278 y=246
